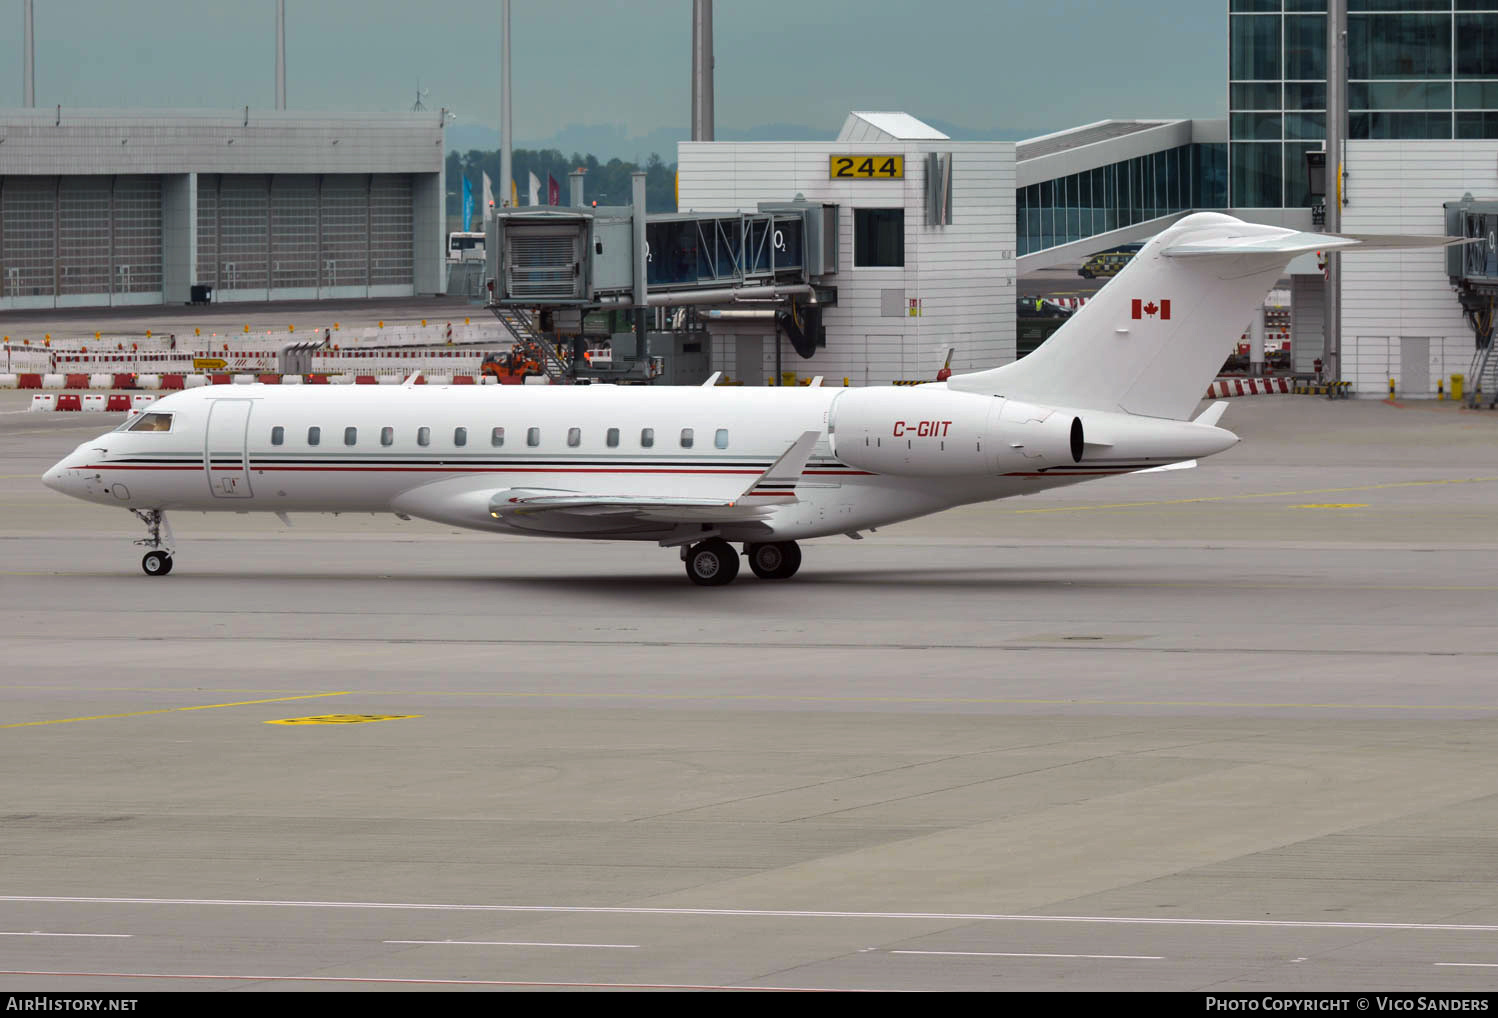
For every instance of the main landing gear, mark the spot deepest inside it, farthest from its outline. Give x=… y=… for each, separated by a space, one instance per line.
x=157 y=561
x=714 y=563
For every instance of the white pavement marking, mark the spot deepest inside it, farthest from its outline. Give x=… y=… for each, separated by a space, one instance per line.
x=1015 y=954
x=1468 y=964
x=1294 y=924
x=434 y=982
x=502 y=943
x=39 y=933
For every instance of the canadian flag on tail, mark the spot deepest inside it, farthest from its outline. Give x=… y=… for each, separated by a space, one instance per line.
x=1152 y=309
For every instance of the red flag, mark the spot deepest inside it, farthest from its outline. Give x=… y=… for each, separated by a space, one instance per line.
x=553 y=191
x=1141 y=309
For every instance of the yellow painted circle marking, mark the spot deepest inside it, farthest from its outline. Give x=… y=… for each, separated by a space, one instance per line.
x=342 y=719
x=1332 y=505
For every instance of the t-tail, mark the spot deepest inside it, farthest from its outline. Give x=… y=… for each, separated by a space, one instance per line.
x=1154 y=337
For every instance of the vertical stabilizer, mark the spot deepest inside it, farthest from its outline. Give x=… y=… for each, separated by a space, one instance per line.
x=1152 y=339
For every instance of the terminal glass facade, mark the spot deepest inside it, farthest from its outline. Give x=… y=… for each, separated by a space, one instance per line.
x=1084 y=204
x=1416 y=69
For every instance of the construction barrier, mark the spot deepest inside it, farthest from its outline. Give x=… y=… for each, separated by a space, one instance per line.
x=94 y=402
x=141 y=399
x=44 y=401
x=54 y=381
x=10 y=381
x=1224 y=387
x=69 y=401
x=117 y=401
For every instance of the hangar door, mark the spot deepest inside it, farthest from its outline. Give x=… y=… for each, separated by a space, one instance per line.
x=304 y=236
x=79 y=240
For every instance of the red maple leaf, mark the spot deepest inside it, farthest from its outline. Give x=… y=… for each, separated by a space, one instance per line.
x=1150 y=309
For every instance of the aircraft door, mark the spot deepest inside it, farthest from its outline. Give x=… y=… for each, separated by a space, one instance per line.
x=224 y=453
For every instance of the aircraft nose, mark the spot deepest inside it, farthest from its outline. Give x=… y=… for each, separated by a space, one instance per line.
x=53 y=478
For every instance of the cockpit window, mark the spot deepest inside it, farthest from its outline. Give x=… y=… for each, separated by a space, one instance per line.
x=153 y=422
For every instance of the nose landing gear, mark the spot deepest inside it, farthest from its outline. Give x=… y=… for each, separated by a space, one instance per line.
x=157 y=561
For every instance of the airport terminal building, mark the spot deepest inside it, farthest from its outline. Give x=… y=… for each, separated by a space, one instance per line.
x=108 y=207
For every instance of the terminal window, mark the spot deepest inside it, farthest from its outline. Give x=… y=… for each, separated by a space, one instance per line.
x=878 y=238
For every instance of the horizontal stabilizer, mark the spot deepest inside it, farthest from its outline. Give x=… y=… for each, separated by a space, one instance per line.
x=1212 y=414
x=1182 y=465
x=1300 y=243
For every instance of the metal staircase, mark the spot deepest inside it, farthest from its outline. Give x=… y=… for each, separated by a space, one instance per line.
x=1482 y=379
x=520 y=325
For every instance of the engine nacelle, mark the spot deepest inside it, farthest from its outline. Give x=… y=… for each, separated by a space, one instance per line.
x=1035 y=436
x=932 y=431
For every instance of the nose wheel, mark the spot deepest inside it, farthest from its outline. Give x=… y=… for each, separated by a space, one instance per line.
x=157 y=561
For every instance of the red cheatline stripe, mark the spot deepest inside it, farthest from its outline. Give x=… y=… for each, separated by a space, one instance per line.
x=471 y=470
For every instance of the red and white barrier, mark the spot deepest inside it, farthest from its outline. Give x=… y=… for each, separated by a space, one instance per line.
x=1224 y=387
x=44 y=401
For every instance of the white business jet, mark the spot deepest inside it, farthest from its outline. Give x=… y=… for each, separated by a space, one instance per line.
x=705 y=468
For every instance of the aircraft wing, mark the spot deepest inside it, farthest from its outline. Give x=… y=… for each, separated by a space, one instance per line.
x=775 y=487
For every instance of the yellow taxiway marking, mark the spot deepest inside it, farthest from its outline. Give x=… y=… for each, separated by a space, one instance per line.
x=342 y=719
x=1261 y=494
x=168 y=710
x=1332 y=505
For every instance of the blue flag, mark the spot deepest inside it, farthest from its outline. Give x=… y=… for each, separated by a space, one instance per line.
x=467 y=204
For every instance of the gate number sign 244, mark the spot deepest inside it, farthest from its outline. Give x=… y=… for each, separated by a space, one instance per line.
x=868 y=167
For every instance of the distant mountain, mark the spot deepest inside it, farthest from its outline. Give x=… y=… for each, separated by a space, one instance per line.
x=612 y=141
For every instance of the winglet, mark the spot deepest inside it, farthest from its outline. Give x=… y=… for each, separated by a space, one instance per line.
x=1212 y=414
x=712 y=379
x=780 y=480
x=408 y=383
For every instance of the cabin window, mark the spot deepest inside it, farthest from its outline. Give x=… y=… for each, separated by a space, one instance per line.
x=647 y=437
x=277 y=435
x=460 y=436
x=153 y=422
x=497 y=437
x=720 y=439
x=350 y=436
x=387 y=436
x=613 y=438
x=686 y=438
x=314 y=435
x=423 y=436
x=574 y=437
x=532 y=436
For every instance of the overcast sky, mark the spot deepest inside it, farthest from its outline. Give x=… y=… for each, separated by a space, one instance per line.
x=1009 y=65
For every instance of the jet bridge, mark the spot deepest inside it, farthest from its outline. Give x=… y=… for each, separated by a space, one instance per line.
x=1473 y=270
x=551 y=265
x=574 y=257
